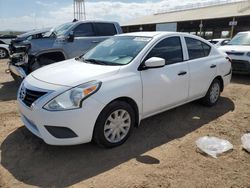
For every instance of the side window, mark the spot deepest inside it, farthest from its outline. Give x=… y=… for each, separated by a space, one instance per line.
x=84 y=30
x=105 y=29
x=196 y=48
x=169 y=49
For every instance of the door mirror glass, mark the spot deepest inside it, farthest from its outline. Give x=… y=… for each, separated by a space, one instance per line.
x=154 y=62
x=71 y=37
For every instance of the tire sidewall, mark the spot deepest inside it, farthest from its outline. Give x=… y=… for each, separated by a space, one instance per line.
x=99 y=136
x=6 y=53
x=206 y=100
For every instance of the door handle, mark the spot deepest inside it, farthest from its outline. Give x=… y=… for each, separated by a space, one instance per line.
x=212 y=66
x=95 y=41
x=182 y=73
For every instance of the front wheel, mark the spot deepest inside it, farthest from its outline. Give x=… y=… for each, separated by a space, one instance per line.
x=40 y=63
x=213 y=93
x=114 y=124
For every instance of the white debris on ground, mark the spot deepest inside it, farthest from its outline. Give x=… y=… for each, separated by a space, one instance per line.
x=245 y=140
x=213 y=146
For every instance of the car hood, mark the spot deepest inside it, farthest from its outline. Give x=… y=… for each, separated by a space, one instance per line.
x=71 y=73
x=235 y=48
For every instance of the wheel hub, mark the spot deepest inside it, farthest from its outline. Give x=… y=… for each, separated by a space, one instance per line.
x=117 y=126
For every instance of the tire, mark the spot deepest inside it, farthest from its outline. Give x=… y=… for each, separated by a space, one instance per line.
x=105 y=128
x=213 y=94
x=40 y=63
x=17 y=79
x=3 y=53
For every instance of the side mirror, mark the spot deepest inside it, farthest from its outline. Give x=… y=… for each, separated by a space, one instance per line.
x=154 y=62
x=71 y=37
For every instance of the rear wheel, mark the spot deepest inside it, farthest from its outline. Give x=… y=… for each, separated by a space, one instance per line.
x=114 y=124
x=3 y=53
x=213 y=93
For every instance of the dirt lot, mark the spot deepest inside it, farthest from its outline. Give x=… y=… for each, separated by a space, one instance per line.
x=160 y=153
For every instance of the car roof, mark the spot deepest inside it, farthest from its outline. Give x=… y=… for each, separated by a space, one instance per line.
x=248 y=32
x=147 y=34
x=94 y=21
x=219 y=39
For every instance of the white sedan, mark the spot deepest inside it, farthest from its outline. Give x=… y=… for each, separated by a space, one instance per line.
x=219 y=42
x=103 y=94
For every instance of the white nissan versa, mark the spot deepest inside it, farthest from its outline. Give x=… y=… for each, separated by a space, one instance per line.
x=103 y=94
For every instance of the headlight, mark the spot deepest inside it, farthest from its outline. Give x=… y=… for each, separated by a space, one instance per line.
x=248 y=54
x=72 y=99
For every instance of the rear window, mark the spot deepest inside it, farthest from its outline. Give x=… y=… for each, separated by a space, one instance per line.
x=105 y=29
x=196 y=48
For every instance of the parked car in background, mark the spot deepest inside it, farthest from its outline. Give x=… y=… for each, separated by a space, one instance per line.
x=6 y=39
x=238 y=49
x=219 y=42
x=35 y=34
x=103 y=94
x=64 y=42
x=4 y=51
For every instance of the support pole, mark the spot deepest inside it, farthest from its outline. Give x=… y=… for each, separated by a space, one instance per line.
x=232 y=28
x=201 y=26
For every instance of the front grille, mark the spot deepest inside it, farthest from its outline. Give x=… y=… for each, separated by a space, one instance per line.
x=29 y=96
x=240 y=65
x=235 y=53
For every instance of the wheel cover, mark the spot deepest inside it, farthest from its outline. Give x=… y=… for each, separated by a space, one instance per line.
x=117 y=126
x=215 y=92
x=2 y=53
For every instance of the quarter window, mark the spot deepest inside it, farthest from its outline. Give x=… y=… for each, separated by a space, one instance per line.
x=169 y=49
x=196 y=48
x=84 y=30
x=105 y=29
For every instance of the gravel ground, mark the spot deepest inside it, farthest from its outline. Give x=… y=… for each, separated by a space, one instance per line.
x=160 y=153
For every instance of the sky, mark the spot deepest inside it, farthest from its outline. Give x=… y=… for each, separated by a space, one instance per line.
x=23 y=15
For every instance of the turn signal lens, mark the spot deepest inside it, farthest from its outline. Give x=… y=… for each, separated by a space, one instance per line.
x=89 y=90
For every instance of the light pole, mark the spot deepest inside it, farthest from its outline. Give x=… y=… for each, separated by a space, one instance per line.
x=79 y=10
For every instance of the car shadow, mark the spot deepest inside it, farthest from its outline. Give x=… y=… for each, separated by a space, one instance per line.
x=241 y=79
x=8 y=91
x=33 y=162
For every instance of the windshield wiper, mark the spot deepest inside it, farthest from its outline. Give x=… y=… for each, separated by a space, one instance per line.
x=94 y=61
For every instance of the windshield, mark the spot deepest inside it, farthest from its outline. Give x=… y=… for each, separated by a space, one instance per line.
x=118 y=50
x=59 y=30
x=241 y=39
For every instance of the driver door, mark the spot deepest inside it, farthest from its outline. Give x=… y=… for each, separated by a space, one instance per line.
x=167 y=86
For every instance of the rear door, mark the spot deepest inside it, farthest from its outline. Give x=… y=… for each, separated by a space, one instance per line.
x=104 y=31
x=202 y=67
x=167 y=86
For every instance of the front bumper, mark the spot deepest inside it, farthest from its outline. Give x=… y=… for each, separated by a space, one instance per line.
x=16 y=70
x=241 y=66
x=79 y=122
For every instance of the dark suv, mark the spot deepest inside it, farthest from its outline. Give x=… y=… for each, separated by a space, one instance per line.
x=63 y=42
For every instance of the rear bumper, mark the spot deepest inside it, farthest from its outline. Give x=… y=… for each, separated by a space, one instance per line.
x=227 y=78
